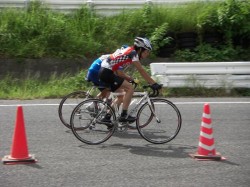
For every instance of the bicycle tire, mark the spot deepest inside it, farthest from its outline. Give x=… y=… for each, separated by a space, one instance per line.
x=86 y=123
x=68 y=103
x=166 y=128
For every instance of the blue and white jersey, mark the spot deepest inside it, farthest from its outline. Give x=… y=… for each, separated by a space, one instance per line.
x=96 y=65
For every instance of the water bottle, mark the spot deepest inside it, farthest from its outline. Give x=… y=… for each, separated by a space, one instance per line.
x=132 y=104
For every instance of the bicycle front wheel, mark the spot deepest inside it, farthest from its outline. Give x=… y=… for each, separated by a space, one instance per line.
x=165 y=124
x=86 y=121
x=68 y=103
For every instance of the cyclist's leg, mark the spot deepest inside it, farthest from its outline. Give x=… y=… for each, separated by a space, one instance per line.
x=126 y=101
x=116 y=82
x=128 y=95
x=119 y=98
x=121 y=83
x=104 y=93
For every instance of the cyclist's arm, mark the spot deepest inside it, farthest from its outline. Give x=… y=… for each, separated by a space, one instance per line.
x=143 y=73
x=120 y=73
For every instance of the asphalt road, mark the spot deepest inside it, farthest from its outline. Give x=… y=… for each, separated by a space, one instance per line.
x=127 y=159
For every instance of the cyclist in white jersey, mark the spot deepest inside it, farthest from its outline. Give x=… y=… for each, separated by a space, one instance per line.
x=125 y=57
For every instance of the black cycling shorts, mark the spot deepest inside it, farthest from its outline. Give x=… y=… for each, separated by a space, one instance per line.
x=107 y=76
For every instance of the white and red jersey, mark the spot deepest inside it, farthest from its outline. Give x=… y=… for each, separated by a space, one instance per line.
x=120 y=58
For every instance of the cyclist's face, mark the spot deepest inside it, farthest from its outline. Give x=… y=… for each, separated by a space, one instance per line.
x=145 y=54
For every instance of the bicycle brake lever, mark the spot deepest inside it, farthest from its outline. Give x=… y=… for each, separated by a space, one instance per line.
x=134 y=83
x=154 y=94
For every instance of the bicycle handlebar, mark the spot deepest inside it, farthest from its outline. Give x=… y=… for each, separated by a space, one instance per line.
x=155 y=92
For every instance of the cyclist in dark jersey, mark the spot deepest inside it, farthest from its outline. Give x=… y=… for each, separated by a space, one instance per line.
x=125 y=57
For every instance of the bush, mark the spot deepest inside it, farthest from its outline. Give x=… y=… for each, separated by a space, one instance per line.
x=231 y=17
x=207 y=53
x=39 y=32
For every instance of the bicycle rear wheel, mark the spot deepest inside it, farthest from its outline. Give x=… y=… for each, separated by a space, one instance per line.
x=68 y=103
x=86 y=122
x=165 y=124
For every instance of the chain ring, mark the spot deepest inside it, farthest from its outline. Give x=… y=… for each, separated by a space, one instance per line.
x=122 y=128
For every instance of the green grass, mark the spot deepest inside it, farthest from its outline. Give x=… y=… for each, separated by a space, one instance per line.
x=31 y=88
x=57 y=87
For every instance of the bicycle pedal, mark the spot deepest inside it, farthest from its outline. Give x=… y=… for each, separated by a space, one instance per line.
x=121 y=125
x=92 y=127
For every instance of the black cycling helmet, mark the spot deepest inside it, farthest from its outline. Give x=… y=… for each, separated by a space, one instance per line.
x=143 y=43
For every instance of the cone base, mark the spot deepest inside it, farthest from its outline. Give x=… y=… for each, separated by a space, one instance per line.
x=9 y=160
x=216 y=157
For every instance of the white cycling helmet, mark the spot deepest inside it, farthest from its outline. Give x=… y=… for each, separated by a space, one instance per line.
x=143 y=42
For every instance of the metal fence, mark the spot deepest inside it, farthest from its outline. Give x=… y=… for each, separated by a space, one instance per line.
x=103 y=7
x=202 y=74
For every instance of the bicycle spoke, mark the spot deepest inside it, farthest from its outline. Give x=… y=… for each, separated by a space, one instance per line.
x=86 y=122
x=164 y=125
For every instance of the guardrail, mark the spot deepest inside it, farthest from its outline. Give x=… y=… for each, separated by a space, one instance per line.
x=103 y=7
x=202 y=74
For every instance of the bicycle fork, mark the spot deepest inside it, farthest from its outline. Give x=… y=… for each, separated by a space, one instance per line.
x=153 y=111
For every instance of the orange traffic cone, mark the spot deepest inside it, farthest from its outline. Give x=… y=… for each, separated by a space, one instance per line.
x=206 y=149
x=19 y=149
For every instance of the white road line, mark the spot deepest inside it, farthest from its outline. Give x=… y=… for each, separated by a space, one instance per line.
x=225 y=102
x=29 y=105
x=179 y=103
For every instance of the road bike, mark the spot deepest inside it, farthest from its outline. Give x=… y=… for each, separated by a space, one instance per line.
x=158 y=120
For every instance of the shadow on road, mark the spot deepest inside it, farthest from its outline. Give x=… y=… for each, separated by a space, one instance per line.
x=175 y=151
x=164 y=150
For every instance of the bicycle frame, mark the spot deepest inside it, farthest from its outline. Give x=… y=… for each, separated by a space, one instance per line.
x=144 y=98
x=133 y=111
